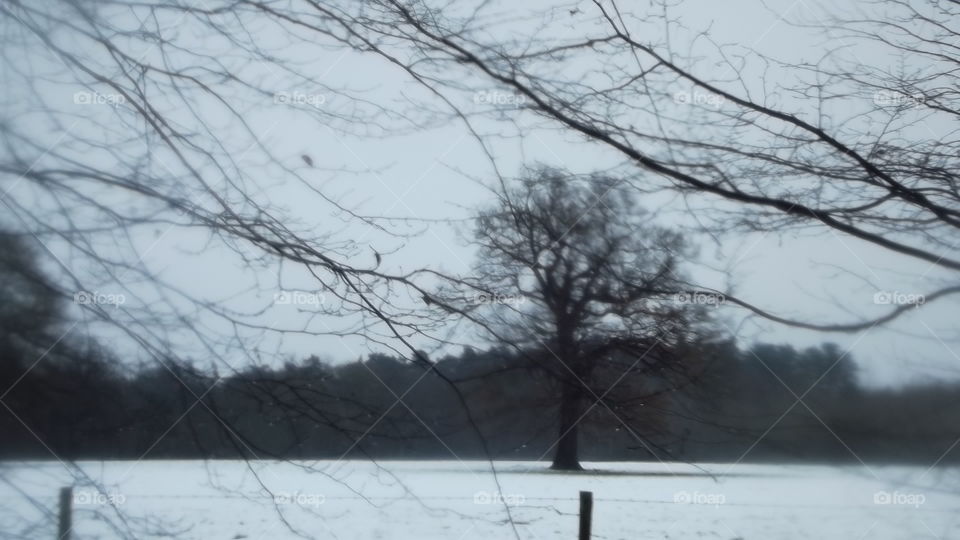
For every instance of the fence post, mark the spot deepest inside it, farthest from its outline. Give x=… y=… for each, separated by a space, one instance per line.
x=586 y=514
x=66 y=513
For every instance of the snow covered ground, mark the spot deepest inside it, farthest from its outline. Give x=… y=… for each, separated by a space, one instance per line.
x=460 y=500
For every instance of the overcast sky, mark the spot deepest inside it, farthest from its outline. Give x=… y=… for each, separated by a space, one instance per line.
x=437 y=174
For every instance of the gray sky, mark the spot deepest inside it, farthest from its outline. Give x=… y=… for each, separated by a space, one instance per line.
x=430 y=175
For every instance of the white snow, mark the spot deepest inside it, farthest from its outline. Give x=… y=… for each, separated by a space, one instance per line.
x=460 y=500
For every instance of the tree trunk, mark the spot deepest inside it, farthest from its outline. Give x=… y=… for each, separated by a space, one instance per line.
x=567 y=456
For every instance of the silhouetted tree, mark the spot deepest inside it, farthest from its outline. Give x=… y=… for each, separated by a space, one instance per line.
x=572 y=266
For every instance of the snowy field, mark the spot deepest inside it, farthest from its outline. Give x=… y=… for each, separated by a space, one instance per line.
x=456 y=500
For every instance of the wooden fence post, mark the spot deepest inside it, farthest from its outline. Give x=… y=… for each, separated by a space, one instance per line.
x=586 y=514
x=66 y=513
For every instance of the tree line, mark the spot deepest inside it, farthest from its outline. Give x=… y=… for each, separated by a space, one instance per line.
x=78 y=405
x=701 y=398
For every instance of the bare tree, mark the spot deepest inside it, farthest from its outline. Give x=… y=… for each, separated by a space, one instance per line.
x=573 y=266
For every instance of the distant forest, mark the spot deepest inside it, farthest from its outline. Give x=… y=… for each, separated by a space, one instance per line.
x=708 y=400
x=76 y=405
